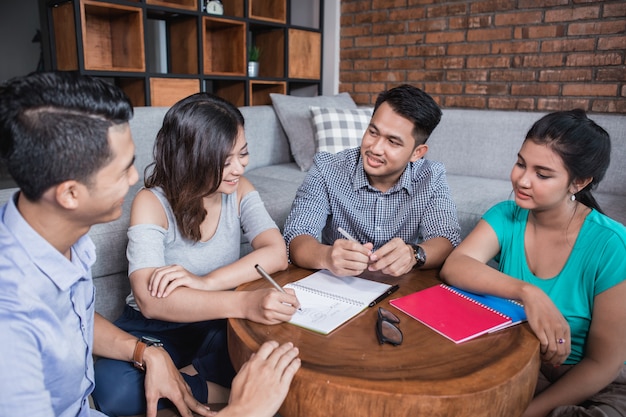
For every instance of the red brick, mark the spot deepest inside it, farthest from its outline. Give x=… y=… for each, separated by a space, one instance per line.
x=511 y=103
x=595 y=28
x=443 y=88
x=425 y=75
x=572 y=14
x=407 y=14
x=388 y=28
x=389 y=52
x=612 y=42
x=445 y=37
x=476 y=22
x=456 y=23
x=387 y=4
x=491 y=6
x=407 y=39
x=406 y=64
x=565 y=75
x=542 y=4
x=489 y=34
x=354 y=6
x=388 y=76
x=486 y=89
x=355 y=77
x=512 y=75
x=447 y=10
x=369 y=88
x=469 y=48
x=614 y=10
x=444 y=63
x=475 y=102
x=430 y=25
x=596 y=60
x=351 y=54
x=561 y=103
x=538 y=32
x=611 y=74
x=371 y=17
x=519 y=18
x=489 y=62
x=535 y=89
x=593 y=90
x=542 y=61
x=467 y=75
x=371 y=64
x=369 y=41
x=568 y=45
x=426 y=50
x=353 y=31
x=608 y=106
x=515 y=47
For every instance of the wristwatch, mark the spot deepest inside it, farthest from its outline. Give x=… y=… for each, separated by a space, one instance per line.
x=141 y=345
x=419 y=254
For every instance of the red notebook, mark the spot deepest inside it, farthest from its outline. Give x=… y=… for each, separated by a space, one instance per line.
x=451 y=314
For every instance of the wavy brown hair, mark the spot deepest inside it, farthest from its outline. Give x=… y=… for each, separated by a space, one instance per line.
x=190 y=151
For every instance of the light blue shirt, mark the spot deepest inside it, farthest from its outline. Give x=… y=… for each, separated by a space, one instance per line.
x=46 y=322
x=336 y=193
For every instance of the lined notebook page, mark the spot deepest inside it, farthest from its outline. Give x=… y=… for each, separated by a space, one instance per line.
x=327 y=301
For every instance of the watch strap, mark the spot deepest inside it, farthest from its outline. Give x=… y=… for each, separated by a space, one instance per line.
x=419 y=254
x=140 y=347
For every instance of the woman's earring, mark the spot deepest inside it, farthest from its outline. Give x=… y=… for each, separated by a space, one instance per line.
x=573 y=197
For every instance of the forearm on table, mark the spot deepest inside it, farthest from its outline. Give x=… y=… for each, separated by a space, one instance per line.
x=437 y=250
x=307 y=252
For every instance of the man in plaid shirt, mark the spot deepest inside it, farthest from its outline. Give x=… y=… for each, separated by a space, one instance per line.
x=380 y=206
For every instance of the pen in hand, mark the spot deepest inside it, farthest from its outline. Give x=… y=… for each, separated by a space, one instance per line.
x=267 y=276
x=346 y=234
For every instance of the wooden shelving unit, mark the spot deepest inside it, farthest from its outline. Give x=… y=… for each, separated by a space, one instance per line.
x=192 y=50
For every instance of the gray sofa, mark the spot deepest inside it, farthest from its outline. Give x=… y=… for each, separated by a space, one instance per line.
x=478 y=148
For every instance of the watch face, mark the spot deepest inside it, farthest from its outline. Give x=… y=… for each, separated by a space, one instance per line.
x=150 y=340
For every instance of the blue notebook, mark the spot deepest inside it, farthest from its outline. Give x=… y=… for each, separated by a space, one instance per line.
x=510 y=308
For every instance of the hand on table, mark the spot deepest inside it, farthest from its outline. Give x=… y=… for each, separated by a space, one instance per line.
x=394 y=258
x=349 y=258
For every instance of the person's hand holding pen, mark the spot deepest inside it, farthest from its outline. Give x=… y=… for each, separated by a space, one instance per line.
x=348 y=257
x=267 y=276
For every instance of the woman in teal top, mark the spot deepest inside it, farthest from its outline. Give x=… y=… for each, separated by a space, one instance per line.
x=564 y=260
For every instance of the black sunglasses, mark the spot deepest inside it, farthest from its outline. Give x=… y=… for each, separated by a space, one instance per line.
x=386 y=328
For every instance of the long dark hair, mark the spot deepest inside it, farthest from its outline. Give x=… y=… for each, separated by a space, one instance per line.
x=190 y=151
x=584 y=147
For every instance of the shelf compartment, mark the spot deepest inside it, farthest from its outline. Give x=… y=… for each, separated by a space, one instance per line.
x=268 y=10
x=305 y=54
x=167 y=91
x=64 y=28
x=224 y=46
x=135 y=89
x=112 y=37
x=176 y=4
x=259 y=91
x=183 y=43
x=233 y=8
x=272 y=58
x=230 y=90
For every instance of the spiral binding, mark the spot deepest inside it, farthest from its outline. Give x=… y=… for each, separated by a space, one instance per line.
x=327 y=294
x=452 y=290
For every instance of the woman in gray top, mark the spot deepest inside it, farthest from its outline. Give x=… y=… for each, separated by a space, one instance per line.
x=183 y=253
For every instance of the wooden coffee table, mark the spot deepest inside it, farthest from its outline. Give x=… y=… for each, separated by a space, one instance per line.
x=347 y=373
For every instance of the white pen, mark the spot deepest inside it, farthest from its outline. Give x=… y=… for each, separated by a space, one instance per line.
x=346 y=235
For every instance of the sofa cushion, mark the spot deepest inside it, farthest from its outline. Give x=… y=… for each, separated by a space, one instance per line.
x=339 y=129
x=295 y=118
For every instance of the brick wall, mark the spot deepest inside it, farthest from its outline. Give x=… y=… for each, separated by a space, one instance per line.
x=540 y=55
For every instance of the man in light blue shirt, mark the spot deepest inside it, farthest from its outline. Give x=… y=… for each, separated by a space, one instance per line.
x=380 y=207
x=67 y=144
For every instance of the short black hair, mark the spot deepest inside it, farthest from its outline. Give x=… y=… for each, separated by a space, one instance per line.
x=54 y=127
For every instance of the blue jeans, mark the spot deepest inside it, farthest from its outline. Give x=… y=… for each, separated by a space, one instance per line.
x=119 y=387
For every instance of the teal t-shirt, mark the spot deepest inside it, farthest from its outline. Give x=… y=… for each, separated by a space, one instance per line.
x=597 y=262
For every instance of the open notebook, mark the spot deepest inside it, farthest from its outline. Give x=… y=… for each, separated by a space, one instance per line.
x=460 y=315
x=327 y=301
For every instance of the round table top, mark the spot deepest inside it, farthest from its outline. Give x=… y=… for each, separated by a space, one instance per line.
x=427 y=369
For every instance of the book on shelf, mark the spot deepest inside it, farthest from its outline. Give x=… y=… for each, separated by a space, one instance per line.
x=327 y=301
x=460 y=315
